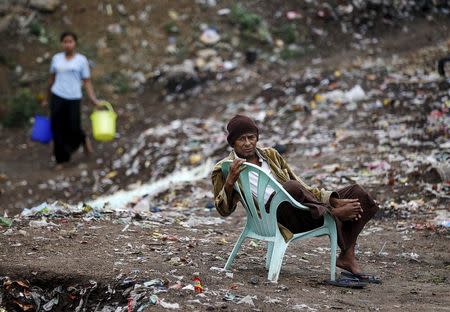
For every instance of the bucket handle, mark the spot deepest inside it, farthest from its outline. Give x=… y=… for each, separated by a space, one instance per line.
x=107 y=105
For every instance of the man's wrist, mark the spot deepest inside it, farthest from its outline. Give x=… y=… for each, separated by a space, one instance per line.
x=333 y=201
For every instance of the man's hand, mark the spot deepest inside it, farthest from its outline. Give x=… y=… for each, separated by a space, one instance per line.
x=235 y=170
x=346 y=209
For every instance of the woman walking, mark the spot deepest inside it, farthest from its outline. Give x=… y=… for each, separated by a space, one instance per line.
x=69 y=70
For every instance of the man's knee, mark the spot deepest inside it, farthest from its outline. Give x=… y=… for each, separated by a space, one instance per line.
x=365 y=198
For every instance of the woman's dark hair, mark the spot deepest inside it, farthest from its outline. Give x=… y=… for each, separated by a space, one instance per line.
x=68 y=33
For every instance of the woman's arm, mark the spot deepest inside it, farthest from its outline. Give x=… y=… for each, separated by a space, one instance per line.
x=51 y=81
x=90 y=91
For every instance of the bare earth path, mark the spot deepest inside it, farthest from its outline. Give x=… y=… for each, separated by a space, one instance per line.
x=414 y=265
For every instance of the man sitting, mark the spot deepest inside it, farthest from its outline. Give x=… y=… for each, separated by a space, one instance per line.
x=350 y=206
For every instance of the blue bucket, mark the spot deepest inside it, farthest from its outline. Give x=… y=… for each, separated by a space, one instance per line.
x=42 y=130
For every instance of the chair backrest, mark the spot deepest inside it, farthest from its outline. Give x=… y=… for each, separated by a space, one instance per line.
x=262 y=222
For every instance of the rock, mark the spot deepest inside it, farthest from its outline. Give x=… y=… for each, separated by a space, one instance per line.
x=45 y=5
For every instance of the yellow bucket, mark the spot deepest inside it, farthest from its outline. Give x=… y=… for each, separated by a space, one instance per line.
x=104 y=123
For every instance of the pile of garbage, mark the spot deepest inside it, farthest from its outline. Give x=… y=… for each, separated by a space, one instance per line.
x=387 y=120
x=20 y=295
x=168 y=148
x=403 y=121
x=395 y=110
x=138 y=295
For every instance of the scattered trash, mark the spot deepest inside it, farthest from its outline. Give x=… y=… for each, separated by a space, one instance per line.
x=168 y=305
x=20 y=295
x=442 y=218
x=411 y=255
x=198 y=287
x=355 y=94
x=292 y=15
x=42 y=223
x=254 y=280
x=229 y=297
x=121 y=198
x=303 y=307
x=247 y=300
x=210 y=36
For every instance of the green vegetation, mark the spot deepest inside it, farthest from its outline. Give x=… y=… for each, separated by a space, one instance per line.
x=20 y=108
x=288 y=33
x=37 y=29
x=251 y=25
x=247 y=20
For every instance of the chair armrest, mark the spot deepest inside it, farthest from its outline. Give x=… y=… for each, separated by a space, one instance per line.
x=226 y=166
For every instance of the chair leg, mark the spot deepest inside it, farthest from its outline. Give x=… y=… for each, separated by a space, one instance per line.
x=235 y=250
x=333 y=247
x=276 y=260
x=269 y=254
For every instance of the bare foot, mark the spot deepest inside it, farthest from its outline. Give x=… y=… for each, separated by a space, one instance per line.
x=348 y=262
x=350 y=211
x=87 y=147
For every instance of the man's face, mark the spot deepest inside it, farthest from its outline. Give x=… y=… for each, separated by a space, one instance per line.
x=245 y=145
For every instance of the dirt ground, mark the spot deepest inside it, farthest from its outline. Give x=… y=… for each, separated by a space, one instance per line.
x=414 y=265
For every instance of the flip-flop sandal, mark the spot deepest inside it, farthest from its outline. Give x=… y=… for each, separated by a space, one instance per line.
x=363 y=277
x=347 y=282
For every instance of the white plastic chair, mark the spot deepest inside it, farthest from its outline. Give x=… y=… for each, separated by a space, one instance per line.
x=263 y=225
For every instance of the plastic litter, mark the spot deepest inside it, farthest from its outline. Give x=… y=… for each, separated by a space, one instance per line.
x=198 y=287
x=442 y=218
x=168 y=305
x=210 y=36
x=247 y=300
x=121 y=198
